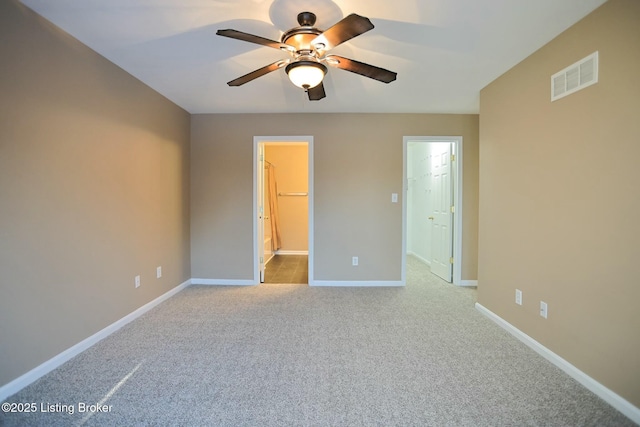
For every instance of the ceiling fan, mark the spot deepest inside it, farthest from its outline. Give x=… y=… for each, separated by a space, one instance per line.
x=308 y=46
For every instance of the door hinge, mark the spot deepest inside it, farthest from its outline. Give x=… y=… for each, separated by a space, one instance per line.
x=453 y=209
x=261 y=260
x=453 y=157
x=451 y=260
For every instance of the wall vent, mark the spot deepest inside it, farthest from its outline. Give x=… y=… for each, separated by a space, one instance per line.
x=575 y=77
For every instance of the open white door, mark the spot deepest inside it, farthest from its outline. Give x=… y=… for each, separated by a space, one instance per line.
x=260 y=212
x=442 y=231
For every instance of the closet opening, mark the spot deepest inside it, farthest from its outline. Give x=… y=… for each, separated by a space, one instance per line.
x=432 y=219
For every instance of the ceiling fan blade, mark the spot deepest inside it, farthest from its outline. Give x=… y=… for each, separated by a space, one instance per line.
x=361 y=68
x=346 y=29
x=257 y=73
x=316 y=93
x=239 y=35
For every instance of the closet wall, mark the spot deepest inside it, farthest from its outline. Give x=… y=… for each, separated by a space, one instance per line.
x=292 y=173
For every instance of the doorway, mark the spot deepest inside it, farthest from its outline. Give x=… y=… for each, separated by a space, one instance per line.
x=432 y=206
x=283 y=209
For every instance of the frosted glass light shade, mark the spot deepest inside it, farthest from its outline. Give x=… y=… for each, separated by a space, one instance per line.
x=306 y=74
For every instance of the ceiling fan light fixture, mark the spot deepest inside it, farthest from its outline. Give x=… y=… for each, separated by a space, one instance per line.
x=288 y=48
x=332 y=60
x=306 y=74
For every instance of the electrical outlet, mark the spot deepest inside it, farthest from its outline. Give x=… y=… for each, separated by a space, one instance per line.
x=137 y=281
x=158 y=272
x=394 y=197
x=354 y=260
x=543 y=309
x=518 y=297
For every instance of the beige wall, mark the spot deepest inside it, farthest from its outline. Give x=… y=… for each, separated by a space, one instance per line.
x=357 y=165
x=559 y=199
x=292 y=171
x=93 y=191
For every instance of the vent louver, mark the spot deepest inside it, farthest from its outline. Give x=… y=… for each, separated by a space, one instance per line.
x=575 y=77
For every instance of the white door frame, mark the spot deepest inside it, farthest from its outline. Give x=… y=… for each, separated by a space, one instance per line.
x=257 y=140
x=260 y=200
x=457 y=215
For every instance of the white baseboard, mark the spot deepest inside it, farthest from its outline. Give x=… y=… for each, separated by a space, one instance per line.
x=609 y=396
x=51 y=364
x=268 y=258
x=223 y=282
x=357 y=283
x=468 y=283
x=419 y=258
x=283 y=252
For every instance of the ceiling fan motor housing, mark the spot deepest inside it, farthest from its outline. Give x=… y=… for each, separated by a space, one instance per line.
x=302 y=36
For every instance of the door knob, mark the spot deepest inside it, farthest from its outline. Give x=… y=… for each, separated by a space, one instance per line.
x=431 y=217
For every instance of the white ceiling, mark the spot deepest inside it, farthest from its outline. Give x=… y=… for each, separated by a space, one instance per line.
x=444 y=51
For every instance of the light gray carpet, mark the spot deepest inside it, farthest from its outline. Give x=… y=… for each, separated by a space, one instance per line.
x=284 y=355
